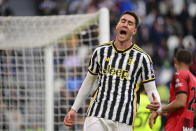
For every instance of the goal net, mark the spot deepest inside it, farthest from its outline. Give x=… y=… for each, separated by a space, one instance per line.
x=43 y=61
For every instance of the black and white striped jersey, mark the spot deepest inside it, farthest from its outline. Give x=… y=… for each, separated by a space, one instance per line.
x=120 y=74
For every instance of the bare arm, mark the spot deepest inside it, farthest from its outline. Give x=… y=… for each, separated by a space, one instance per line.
x=178 y=103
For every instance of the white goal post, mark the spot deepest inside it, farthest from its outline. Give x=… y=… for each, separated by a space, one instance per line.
x=43 y=60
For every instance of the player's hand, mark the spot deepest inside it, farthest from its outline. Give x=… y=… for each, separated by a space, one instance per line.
x=152 y=119
x=154 y=105
x=69 y=119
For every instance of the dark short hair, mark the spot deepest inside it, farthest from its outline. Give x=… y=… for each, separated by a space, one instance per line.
x=184 y=56
x=132 y=14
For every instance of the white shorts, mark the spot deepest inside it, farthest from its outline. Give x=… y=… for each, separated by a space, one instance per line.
x=101 y=124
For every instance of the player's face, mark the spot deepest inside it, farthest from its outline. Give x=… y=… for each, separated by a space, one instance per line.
x=125 y=28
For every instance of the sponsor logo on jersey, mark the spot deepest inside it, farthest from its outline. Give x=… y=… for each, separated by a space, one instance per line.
x=177 y=73
x=178 y=84
x=123 y=74
x=187 y=129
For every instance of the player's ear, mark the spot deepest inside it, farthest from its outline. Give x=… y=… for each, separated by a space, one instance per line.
x=176 y=63
x=135 y=31
x=117 y=25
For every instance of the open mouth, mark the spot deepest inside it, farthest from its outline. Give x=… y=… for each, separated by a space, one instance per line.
x=123 y=32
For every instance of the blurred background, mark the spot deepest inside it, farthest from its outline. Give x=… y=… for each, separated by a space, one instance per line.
x=165 y=26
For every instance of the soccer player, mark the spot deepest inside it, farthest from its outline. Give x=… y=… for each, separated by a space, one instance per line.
x=182 y=96
x=121 y=66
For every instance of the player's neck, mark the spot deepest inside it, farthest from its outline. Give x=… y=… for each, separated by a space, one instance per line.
x=123 y=45
x=182 y=67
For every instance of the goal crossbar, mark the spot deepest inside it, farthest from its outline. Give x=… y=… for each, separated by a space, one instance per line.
x=18 y=31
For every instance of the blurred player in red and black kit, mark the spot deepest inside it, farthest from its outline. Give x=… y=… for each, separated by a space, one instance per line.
x=182 y=103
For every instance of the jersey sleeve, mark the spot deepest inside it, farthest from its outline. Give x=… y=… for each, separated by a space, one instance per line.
x=147 y=69
x=181 y=82
x=93 y=64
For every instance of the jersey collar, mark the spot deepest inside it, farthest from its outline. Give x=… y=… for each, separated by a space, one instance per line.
x=121 y=51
